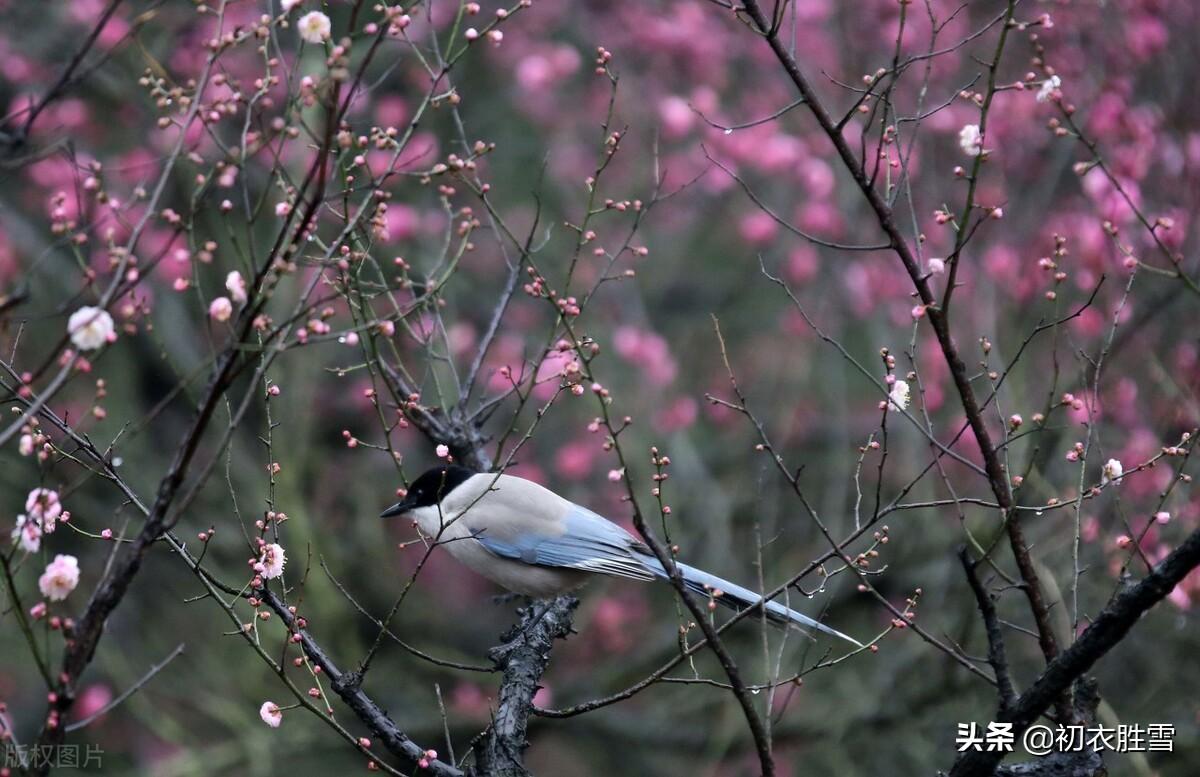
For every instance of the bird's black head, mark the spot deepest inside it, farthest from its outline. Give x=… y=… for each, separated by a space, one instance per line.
x=430 y=488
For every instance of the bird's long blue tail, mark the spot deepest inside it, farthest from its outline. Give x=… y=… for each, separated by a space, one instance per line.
x=738 y=598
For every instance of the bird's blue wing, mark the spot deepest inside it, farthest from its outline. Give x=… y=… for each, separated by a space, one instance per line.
x=588 y=542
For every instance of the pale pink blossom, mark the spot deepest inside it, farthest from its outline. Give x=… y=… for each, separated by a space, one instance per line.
x=270 y=714
x=221 y=309
x=25 y=445
x=287 y=6
x=270 y=564
x=899 y=395
x=443 y=452
x=43 y=504
x=236 y=285
x=60 y=578
x=28 y=534
x=1113 y=471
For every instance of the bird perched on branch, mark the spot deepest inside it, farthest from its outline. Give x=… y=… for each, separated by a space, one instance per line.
x=534 y=542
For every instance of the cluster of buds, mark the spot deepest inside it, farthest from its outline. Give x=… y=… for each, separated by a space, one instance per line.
x=972 y=96
x=624 y=205
x=713 y=595
x=863 y=560
x=98 y=411
x=166 y=95
x=271 y=516
x=568 y=306
x=95 y=182
x=394 y=19
x=1050 y=264
x=384 y=138
x=603 y=57
x=537 y=286
x=33 y=439
x=661 y=462
x=909 y=614
x=1068 y=400
x=1179 y=450
x=60 y=220
x=870 y=78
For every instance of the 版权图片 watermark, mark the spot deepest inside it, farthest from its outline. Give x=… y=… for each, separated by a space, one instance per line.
x=53 y=756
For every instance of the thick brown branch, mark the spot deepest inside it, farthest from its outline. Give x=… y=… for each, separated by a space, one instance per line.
x=523 y=658
x=1109 y=628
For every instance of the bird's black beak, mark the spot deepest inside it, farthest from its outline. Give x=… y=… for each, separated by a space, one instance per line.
x=400 y=508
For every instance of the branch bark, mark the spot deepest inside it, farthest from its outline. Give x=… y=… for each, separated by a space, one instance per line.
x=1109 y=628
x=523 y=658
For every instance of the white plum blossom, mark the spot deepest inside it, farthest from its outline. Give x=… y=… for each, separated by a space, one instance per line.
x=269 y=711
x=288 y=5
x=442 y=451
x=1112 y=472
x=899 y=394
x=935 y=266
x=270 y=565
x=28 y=534
x=236 y=286
x=970 y=140
x=25 y=445
x=314 y=27
x=90 y=328
x=60 y=578
x=1049 y=86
